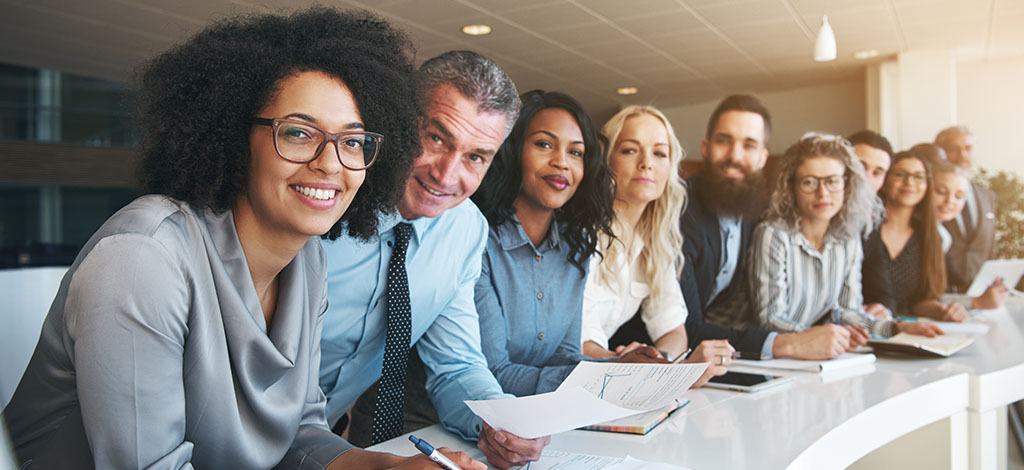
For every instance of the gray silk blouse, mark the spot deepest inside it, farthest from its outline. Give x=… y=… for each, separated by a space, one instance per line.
x=155 y=354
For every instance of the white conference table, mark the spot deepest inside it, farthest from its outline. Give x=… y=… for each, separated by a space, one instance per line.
x=898 y=413
x=995 y=366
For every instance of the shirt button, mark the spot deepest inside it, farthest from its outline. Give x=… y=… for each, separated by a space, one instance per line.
x=540 y=336
x=539 y=257
x=390 y=244
x=540 y=295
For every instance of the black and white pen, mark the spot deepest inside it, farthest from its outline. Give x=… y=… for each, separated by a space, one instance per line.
x=434 y=455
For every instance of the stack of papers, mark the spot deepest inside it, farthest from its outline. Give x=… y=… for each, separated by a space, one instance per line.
x=841 y=362
x=595 y=392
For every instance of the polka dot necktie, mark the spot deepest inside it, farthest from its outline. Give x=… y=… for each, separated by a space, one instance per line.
x=387 y=416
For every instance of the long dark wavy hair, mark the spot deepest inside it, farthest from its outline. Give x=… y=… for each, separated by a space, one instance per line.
x=197 y=99
x=588 y=212
x=924 y=221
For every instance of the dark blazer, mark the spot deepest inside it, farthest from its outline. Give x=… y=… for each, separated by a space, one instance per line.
x=702 y=248
x=970 y=251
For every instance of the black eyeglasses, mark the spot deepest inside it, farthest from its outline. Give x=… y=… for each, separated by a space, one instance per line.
x=301 y=142
x=913 y=178
x=810 y=184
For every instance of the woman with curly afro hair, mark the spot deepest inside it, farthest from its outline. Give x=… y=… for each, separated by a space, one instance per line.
x=187 y=332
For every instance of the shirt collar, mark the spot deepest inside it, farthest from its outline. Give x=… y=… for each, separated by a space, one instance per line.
x=512 y=235
x=387 y=223
x=810 y=249
x=728 y=221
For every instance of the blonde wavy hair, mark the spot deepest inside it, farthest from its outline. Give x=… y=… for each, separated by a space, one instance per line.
x=658 y=227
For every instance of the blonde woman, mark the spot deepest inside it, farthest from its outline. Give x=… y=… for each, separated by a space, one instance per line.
x=949 y=193
x=639 y=267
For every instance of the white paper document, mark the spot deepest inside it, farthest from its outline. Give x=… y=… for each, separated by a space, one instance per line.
x=595 y=392
x=843 y=361
x=636 y=386
x=629 y=463
x=967 y=327
x=547 y=413
x=557 y=460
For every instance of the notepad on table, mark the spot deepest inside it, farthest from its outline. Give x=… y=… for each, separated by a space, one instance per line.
x=841 y=362
x=939 y=346
x=640 y=423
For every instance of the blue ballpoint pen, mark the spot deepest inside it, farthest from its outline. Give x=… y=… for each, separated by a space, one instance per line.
x=434 y=455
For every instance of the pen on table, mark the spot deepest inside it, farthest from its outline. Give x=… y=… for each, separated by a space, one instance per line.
x=835 y=316
x=682 y=357
x=434 y=455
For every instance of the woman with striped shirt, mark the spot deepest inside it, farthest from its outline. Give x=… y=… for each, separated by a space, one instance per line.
x=805 y=257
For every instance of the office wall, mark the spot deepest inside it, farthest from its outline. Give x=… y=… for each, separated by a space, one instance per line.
x=835 y=107
x=990 y=100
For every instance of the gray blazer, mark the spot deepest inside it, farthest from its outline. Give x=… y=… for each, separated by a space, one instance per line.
x=155 y=354
x=969 y=251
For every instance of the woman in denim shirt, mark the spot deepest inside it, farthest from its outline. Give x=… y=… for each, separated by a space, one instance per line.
x=546 y=197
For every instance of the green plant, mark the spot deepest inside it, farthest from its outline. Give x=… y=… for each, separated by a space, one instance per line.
x=1009 y=188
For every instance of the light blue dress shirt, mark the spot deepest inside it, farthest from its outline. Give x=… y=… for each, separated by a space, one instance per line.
x=730 y=230
x=530 y=302
x=443 y=264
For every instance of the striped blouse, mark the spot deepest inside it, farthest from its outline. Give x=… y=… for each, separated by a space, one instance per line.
x=793 y=285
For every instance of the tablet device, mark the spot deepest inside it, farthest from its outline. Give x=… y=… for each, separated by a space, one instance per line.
x=746 y=382
x=1010 y=270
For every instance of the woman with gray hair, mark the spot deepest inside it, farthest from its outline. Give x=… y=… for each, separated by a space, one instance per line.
x=805 y=257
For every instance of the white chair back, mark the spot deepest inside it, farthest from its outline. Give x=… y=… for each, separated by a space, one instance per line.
x=25 y=298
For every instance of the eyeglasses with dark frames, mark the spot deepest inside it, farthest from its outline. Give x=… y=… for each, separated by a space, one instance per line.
x=810 y=184
x=913 y=178
x=301 y=142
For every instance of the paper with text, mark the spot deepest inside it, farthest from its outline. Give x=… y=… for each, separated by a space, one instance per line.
x=593 y=393
x=547 y=413
x=629 y=463
x=635 y=386
x=558 y=460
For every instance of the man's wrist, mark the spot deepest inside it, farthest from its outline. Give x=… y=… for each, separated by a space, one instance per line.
x=782 y=346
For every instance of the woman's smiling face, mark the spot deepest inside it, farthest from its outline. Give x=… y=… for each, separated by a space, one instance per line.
x=302 y=199
x=552 y=159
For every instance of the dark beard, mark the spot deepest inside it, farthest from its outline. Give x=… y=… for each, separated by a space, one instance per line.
x=727 y=196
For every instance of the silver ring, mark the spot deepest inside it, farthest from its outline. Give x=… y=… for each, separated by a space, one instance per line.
x=722 y=359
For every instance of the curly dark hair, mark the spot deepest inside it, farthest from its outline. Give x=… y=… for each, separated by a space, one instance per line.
x=196 y=101
x=589 y=210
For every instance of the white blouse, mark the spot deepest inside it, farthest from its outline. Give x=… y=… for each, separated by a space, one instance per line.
x=607 y=306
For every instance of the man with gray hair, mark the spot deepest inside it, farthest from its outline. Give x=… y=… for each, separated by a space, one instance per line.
x=974 y=229
x=413 y=285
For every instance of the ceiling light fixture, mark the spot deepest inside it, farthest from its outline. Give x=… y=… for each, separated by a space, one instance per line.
x=627 y=90
x=825 y=44
x=866 y=54
x=476 y=29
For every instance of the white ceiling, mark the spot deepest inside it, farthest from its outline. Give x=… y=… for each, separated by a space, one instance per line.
x=675 y=51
